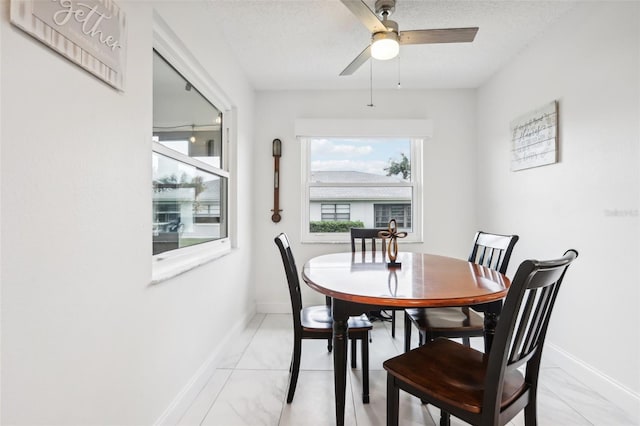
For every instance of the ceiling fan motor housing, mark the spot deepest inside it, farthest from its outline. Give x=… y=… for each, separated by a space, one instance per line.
x=391 y=25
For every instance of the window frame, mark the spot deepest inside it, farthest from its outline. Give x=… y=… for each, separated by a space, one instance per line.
x=169 y=264
x=418 y=131
x=159 y=148
x=401 y=223
x=336 y=211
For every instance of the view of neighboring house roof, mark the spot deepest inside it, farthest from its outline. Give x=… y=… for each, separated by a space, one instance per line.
x=337 y=176
x=357 y=192
x=211 y=193
x=181 y=195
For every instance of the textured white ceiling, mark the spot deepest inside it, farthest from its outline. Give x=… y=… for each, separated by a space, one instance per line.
x=305 y=44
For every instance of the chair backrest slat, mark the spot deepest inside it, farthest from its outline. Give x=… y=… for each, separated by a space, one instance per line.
x=480 y=258
x=520 y=332
x=495 y=260
x=539 y=316
x=493 y=250
x=367 y=235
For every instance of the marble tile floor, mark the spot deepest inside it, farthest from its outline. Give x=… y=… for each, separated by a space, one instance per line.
x=249 y=386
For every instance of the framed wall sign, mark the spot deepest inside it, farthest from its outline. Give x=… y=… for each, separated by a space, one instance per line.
x=91 y=33
x=534 y=138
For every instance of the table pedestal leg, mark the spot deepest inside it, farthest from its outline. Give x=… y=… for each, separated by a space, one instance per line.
x=490 y=322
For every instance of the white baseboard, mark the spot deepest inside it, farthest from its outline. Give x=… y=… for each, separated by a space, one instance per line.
x=625 y=398
x=181 y=403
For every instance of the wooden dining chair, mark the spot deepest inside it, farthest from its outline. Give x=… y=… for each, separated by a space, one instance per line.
x=314 y=322
x=367 y=240
x=479 y=388
x=367 y=235
x=490 y=250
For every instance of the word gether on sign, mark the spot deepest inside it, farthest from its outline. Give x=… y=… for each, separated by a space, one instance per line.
x=90 y=19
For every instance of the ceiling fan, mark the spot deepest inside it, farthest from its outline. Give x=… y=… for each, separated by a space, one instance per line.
x=385 y=37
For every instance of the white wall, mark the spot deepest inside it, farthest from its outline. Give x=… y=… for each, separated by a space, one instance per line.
x=449 y=170
x=589 y=63
x=85 y=338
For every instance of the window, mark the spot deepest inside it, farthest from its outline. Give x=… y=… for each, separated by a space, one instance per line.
x=188 y=202
x=385 y=212
x=335 y=212
x=357 y=181
x=190 y=172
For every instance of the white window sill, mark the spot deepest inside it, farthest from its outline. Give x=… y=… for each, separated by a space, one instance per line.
x=171 y=264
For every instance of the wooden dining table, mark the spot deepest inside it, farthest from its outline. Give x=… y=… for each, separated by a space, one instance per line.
x=362 y=282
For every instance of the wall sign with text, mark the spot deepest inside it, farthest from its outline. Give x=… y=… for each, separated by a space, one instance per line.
x=534 y=138
x=91 y=33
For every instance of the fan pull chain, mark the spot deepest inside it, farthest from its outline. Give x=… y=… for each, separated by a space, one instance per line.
x=370 y=104
x=399 y=87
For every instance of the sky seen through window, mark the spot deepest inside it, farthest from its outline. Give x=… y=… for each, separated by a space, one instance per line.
x=363 y=155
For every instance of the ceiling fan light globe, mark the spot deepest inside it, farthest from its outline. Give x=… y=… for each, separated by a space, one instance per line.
x=385 y=46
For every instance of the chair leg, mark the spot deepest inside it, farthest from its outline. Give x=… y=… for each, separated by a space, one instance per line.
x=445 y=418
x=353 y=353
x=365 y=370
x=466 y=342
x=407 y=333
x=530 y=414
x=393 y=324
x=393 y=401
x=330 y=339
x=295 y=369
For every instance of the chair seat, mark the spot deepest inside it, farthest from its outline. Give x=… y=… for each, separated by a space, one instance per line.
x=318 y=318
x=450 y=372
x=447 y=319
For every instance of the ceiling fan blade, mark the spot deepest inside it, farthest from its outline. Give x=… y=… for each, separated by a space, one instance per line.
x=445 y=35
x=362 y=12
x=357 y=62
